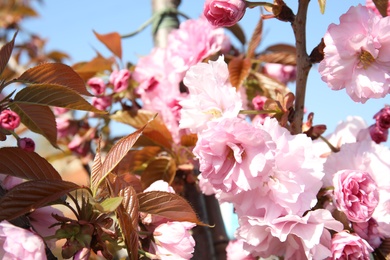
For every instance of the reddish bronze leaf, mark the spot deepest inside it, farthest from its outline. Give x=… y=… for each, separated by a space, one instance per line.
x=189 y=140
x=286 y=58
x=112 y=41
x=239 y=69
x=86 y=70
x=96 y=170
x=162 y=168
x=382 y=6
x=39 y=119
x=271 y=86
x=238 y=32
x=156 y=130
x=282 y=48
x=135 y=160
x=26 y=165
x=116 y=154
x=54 y=95
x=56 y=74
x=255 y=40
x=167 y=205
x=30 y=195
x=5 y=53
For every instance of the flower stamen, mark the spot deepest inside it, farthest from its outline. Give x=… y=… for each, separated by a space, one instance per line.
x=366 y=59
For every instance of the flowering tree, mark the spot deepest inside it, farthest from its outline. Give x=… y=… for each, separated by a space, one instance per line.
x=211 y=124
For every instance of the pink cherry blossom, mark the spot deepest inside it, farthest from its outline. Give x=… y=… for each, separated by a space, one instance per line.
x=368 y=231
x=174 y=241
x=383 y=117
x=224 y=12
x=211 y=96
x=291 y=236
x=357 y=55
x=9 y=119
x=26 y=144
x=102 y=103
x=235 y=251
x=97 y=85
x=66 y=126
x=232 y=154
x=119 y=79
x=280 y=72
x=355 y=194
x=350 y=246
x=19 y=243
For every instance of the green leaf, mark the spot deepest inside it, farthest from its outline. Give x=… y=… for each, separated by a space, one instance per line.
x=322 y=4
x=39 y=119
x=31 y=195
x=26 y=165
x=112 y=41
x=5 y=53
x=54 y=95
x=167 y=205
x=382 y=6
x=156 y=130
x=110 y=204
x=55 y=74
x=163 y=168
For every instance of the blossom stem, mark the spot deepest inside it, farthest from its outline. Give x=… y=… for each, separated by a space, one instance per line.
x=255 y=4
x=303 y=65
x=332 y=148
x=257 y=112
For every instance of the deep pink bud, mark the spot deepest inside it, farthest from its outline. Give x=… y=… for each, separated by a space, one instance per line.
x=378 y=134
x=26 y=144
x=97 y=85
x=102 y=103
x=383 y=118
x=119 y=79
x=224 y=13
x=9 y=119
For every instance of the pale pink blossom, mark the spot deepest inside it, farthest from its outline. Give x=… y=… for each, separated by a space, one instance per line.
x=382 y=118
x=9 y=119
x=350 y=246
x=205 y=186
x=224 y=12
x=59 y=110
x=233 y=154
x=235 y=251
x=120 y=79
x=357 y=55
x=355 y=194
x=97 y=85
x=366 y=156
x=368 y=231
x=26 y=144
x=101 y=103
x=173 y=240
x=281 y=72
x=290 y=236
x=66 y=126
x=370 y=4
x=211 y=96
x=19 y=244
x=79 y=145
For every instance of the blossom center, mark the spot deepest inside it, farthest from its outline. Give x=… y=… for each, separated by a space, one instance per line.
x=366 y=59
x=215 y=113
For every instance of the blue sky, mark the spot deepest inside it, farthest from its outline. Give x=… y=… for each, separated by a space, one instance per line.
x=68 y=26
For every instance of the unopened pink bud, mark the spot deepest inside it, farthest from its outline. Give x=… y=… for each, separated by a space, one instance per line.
x=224 y=13
x=26 y=144
x=9 y=119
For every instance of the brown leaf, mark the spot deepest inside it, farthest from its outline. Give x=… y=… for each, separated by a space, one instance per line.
x=87 y=70
x=167 y=205
x=117 y=182
x=136 y=159
x=116 y=154
x=5 y=53
x=57 y=74
x=271 y=86
x=162 y=168
x=30 y=195
x=39 y=119
x=282 y=48
x=57 y=56
x=156 y=130
x=382 y=6
x=238 y=32
x=383 y=251
x=239 y=69
x=128 y=220
x=112 y=41
x=255 y=40
x=54 y=95
x=26 y=165
x=285 y=58
x=96 y=170
x=189 y=140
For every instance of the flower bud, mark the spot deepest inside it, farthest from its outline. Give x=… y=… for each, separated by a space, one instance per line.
x=224 y=13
